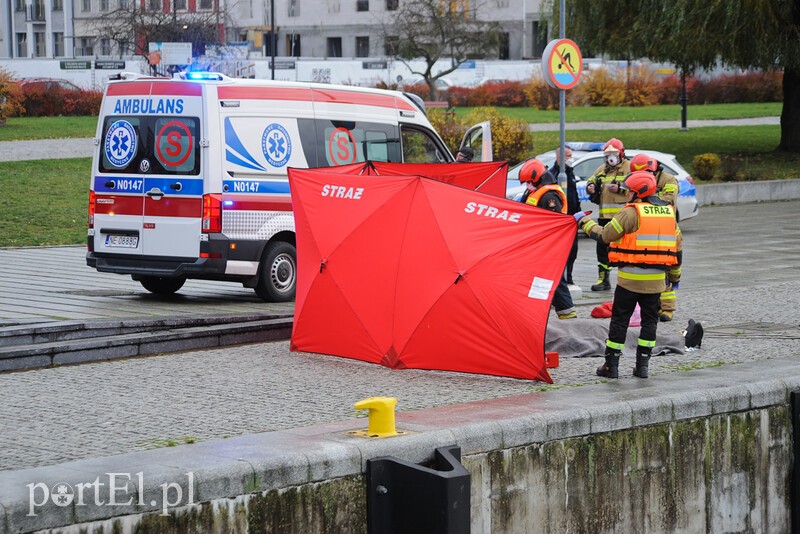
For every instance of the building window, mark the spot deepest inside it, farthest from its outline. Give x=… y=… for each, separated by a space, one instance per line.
x=86 y=5
x=180 y=5
x=39 y=44
x=293 y=45
x=19 y=5
x=154 y=5
x=294 y=8
x=362 y=46
x=105 y=47
x=392 y=5
x=85 y=46
x=22 y=45
x=391 y=45
x=206 y=4
x=504 y=49
x=123 y=4
x=538 y=41
x=58 y=44
x=362 y=5
x=269 y=41
x=37 y=10
x=58 y=5
x=334 y=47
x=103 y=5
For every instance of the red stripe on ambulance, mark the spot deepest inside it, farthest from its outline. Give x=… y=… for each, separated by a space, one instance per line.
x=265 y=93
x=257 y=203
x=174 y=207
x=155 y=88
x=118 y=205
x=333 y=96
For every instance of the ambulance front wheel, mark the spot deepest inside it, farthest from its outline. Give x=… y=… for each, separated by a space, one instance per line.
x=277 y=277
x=162 y=286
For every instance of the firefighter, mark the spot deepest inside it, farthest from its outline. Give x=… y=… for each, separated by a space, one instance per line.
x=668 y=188
x=645 y=241
x=543 y=191
x=605 y=189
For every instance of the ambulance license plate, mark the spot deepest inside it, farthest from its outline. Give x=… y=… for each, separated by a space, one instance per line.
x=122 y=241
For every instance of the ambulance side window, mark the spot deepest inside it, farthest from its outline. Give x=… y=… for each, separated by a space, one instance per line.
x=419 y=146
x=344 y=142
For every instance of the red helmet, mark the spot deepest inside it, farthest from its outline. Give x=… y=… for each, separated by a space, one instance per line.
x=615 y=145
x=532 y=171
x=641 y=183
x=643 y=162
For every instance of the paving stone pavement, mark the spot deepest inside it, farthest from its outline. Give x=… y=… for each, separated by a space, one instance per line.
x=740 y=280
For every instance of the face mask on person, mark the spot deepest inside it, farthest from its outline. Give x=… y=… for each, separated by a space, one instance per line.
x=570 y=161
x=612 y=160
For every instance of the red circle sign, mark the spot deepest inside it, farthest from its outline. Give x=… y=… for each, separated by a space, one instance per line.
x=175 y=153
x=562 y=64
x=342 y=147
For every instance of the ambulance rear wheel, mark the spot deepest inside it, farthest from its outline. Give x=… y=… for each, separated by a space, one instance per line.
x=162 y=286
x=277 y=278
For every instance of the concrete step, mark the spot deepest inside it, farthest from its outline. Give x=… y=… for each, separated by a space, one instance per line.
x=46 y=332
x=60 y=343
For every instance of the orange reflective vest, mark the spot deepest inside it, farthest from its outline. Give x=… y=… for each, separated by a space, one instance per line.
x=535 y=196
x=654 y=244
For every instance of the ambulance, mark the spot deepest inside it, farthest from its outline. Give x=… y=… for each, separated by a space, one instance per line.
x=189 y=173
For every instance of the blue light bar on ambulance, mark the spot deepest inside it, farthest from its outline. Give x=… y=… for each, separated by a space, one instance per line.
x=204 y=76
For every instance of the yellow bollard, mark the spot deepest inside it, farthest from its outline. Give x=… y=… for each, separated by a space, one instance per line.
x=381 y=417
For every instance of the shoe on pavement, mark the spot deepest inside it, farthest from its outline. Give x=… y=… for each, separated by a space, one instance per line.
x=570 y=315
x=693 y=337
x=664 y=316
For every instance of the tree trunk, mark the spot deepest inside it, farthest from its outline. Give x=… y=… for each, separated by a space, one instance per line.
x=790 y=115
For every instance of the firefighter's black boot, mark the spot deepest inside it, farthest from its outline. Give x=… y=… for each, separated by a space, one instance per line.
x=603 y=280
x=610 y=369
x=642 y=362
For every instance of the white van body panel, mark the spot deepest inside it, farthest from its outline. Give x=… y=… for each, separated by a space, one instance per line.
x=189 y=178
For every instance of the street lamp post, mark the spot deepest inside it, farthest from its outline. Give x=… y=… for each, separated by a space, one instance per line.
x=273 y=39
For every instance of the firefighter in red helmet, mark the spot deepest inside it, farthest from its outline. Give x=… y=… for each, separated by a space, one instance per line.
x=604 y=188
x=667 y=189
x=543 y=191
x=645 y=242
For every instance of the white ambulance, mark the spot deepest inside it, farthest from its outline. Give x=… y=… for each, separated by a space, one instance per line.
x=189 y=173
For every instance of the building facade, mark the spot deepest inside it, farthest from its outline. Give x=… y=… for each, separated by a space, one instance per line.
x=303 y=28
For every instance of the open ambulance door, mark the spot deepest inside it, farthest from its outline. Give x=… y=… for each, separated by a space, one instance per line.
x=479 y=137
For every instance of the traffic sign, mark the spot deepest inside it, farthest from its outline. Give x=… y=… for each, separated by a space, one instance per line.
x=562 y=64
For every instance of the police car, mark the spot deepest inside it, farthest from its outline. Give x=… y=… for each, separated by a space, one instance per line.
x=589 y=156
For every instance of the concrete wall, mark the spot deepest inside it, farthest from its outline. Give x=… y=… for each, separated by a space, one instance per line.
x=735 y=192
x=691 y=452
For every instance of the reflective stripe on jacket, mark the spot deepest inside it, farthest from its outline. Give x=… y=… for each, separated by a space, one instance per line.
x=611 y=203
x=654 y=245
x=535 y=196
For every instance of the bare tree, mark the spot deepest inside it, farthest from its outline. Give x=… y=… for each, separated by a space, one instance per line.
x=692 y=34
x=436 y=29
x=133 y=26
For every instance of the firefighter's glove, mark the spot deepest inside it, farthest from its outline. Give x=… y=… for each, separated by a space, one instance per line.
x=675 y=285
